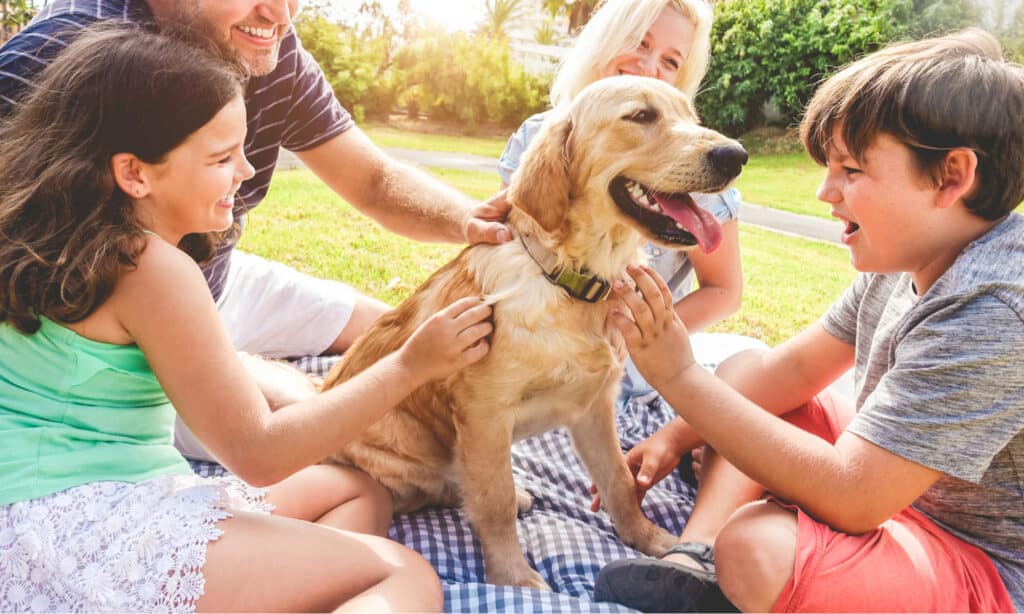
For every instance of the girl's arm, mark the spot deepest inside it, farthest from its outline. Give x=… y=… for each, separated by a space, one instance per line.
x=719 y=283
x=166 y=307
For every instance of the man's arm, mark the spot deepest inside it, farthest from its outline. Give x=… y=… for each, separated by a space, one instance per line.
x=403 y=199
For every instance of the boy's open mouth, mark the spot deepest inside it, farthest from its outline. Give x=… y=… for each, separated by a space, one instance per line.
x=851 y=227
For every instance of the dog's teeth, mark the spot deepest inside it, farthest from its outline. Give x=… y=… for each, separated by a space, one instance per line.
x=656 y=207
x=679 y=226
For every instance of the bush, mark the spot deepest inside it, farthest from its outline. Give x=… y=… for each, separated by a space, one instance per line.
x=779 y=50
x=357 y=66
x=470 y=79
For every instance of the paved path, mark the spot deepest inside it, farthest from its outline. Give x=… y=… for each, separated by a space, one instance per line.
x=774 y=219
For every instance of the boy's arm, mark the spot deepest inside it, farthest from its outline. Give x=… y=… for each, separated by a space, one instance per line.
x=852 y=486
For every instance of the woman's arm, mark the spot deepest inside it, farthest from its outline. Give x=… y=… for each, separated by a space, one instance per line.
x=719 y=290
x=166 y=307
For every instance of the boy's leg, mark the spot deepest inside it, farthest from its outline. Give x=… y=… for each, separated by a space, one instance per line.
x=723 y=490
x=265 y=563
x=772 y=556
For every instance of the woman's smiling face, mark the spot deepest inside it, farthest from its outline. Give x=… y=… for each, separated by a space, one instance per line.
x=662 y=51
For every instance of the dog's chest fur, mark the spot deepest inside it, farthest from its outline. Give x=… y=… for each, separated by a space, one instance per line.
x=551 y=354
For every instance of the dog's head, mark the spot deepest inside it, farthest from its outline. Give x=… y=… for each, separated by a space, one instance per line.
x=626 y=154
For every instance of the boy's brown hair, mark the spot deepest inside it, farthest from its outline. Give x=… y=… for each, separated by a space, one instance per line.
x=932 y=95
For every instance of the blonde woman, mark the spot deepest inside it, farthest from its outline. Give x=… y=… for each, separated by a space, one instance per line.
x=667 y=41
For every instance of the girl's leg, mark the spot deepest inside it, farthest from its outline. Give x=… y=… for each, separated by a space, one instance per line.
x=267 y=563
x=339 y=497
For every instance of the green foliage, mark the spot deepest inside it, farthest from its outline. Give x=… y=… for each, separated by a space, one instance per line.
x=778 y=50
x=499 y=15
x=578 y=11
x=469 y=79
x=380 y=62
x=546 y=33
x=13 y=15
x=921 y=18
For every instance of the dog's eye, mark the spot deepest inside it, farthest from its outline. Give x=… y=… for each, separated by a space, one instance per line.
x=643 y=116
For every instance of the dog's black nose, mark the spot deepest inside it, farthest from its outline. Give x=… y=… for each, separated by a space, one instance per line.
x=728 y=159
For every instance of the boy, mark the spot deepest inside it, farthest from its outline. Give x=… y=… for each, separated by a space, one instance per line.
x=916 y=503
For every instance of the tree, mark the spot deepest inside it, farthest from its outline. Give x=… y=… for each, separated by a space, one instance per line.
x=14 y=14
x=499 y=15
x=579 y=11
x=922 y=18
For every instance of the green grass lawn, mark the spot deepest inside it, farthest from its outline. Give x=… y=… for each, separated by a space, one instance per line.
x=386 y=136
x=789 y=282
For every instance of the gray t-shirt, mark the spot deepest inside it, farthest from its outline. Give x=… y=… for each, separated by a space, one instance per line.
x=940 y=382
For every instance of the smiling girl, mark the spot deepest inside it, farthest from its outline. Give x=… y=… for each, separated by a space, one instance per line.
x=117 y=175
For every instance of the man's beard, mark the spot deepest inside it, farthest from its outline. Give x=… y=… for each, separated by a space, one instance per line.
x=189 y=14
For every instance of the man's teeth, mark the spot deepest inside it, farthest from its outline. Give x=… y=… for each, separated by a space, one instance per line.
x=258 y=32
x=641 y=197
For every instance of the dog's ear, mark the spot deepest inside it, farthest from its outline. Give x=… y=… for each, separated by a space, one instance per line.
x=540 y=187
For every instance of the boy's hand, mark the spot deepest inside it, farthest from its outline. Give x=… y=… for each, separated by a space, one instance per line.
x=656 y=338
x=650 y=461
x=449 y=340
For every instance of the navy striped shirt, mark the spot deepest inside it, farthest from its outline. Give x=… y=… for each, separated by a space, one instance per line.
x=292 y=107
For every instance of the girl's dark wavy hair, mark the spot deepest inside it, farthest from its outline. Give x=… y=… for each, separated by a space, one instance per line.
x=66 y=228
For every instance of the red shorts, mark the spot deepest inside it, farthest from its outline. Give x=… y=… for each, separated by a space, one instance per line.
x=908 y=564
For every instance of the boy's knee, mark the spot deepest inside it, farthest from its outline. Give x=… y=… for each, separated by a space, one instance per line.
x=738 y=363
x=754 y=555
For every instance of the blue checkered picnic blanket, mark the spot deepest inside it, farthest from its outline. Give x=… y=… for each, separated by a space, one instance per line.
x=566 y=542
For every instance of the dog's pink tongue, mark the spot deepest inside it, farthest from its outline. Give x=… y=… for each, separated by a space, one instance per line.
x=700 y=223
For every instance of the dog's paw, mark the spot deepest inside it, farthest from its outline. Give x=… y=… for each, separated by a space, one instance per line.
x=518 y=575
x=524 y=500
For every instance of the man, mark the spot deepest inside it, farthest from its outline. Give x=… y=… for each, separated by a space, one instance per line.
x=269 y=308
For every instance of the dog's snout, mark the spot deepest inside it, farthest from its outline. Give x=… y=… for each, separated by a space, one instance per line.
x=728 y=159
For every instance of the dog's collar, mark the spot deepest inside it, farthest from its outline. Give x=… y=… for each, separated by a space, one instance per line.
x=582 y=285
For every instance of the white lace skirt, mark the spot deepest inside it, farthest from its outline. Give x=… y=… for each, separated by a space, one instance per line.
x=115 y=546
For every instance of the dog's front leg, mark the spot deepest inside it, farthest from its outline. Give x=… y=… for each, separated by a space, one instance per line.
x=484 y=462
x=597 y=445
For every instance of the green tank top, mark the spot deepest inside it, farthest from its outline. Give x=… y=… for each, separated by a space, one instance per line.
x=74 y=411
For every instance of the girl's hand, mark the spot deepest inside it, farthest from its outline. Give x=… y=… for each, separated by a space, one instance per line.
x=656 y=338
x=449 y=340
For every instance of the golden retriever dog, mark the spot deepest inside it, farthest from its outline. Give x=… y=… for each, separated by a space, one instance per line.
x=597 y=182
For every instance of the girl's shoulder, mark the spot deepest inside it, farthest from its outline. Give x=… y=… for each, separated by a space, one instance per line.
x=162 y=277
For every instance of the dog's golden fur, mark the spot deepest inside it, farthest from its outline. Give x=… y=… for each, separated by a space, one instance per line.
x=553 y=361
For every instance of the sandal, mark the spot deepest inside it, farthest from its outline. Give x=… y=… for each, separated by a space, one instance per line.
x=657 y=585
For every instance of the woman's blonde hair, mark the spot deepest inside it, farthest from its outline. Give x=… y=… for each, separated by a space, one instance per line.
x=620 y=25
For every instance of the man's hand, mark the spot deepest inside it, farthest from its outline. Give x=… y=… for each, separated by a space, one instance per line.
x=483 y=224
